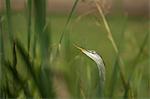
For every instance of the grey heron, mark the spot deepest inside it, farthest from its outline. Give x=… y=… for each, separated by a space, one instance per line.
x=100 y=65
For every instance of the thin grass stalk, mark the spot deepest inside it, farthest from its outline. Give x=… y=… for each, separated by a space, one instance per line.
x=2 y=56
x=9 y=21
x=34 y=46
x=66 y=26
x=126 y=84
x=29 y=5
x=110 y=37
x=149 y=57
x=14 y=56
x=107 y=27
x=68 y=20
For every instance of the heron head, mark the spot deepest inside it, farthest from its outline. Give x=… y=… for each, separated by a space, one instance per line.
x=98 y=60
x=92 y=54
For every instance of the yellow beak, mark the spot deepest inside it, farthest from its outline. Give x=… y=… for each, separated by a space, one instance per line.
x=83 y=50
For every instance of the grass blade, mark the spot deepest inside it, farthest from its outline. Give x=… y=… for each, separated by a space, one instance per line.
x=9 y=21
x=66 y=26
x=25 y=57
x=68 y=20
x=2 y=56
x=29 y=6
x=41 y=28
x=14 y=56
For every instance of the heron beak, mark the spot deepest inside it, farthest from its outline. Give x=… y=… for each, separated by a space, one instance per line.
x=86 y=52
x=83 y=50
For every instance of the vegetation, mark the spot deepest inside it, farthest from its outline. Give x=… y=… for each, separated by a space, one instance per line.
x=38 y=59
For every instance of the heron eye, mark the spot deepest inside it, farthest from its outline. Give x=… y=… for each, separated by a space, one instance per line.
x=93 y=52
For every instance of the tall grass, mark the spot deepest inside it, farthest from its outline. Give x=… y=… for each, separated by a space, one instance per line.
x=38 y=74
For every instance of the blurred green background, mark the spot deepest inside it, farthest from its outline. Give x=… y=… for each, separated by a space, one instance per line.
x=58 y=69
